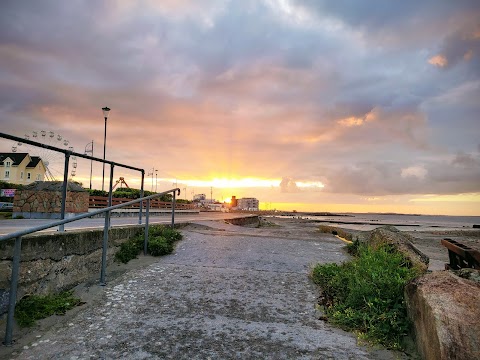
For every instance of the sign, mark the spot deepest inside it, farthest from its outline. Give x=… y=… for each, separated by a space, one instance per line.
x=7 y=192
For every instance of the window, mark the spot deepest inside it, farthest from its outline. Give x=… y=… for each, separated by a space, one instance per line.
x=8 y=164
x=38 y=177
x=7 y=174
x=21 y=175
x=29 y=176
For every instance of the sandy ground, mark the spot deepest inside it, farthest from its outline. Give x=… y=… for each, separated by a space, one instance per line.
x=429 y=242
x=228 y=292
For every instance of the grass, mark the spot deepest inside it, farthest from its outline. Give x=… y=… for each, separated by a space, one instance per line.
x=366 y=294
x=161 y=241
x=5 y=214
x=35 y=307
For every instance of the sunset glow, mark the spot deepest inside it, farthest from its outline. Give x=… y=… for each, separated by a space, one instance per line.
x=306 y=105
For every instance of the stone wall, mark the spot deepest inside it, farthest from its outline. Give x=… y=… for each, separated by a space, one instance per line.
x=57 y=261
x=44 y=200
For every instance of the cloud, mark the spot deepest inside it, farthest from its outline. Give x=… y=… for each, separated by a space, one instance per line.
x=339 y=94
x=465 y=160
x=438 y=60
x=417 y=171
x=288 y=185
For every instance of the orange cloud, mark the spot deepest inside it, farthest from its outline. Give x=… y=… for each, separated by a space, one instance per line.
x=438 y=60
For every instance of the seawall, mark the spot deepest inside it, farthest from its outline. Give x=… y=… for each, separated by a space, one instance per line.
x=53 y=262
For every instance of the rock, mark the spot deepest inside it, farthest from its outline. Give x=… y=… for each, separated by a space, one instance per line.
x=445 y=312
x=402 y=242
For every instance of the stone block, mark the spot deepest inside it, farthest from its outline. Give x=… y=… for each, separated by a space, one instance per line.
x=445 y=310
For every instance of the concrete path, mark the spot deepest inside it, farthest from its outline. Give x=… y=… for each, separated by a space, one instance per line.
x=228 y=292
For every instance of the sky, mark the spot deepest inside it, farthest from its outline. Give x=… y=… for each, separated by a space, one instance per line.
x=307 y=105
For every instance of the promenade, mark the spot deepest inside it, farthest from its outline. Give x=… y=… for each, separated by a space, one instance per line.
x=227 y=292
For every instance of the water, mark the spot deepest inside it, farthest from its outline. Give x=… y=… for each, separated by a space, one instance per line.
x=371 y=221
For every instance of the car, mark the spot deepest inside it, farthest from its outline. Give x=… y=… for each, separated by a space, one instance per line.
x=6 y=206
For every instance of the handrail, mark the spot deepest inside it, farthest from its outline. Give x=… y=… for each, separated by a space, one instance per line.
x=18 y=245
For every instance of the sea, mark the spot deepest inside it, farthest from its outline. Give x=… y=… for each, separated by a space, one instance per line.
x=370 y=221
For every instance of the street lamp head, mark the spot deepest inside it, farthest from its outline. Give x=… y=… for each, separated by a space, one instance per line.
x=105 y=112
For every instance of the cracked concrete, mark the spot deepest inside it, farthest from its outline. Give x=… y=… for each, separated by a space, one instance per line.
x=227 y=292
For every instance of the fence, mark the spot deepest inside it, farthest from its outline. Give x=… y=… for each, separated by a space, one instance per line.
x=98 y=202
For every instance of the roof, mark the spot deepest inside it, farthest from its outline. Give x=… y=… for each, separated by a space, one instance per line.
x=34 y=162
x=16 y=157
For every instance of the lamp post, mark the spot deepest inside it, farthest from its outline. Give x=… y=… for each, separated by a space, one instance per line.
x=90 y=151
x=156 y=180
x=151 y=174
x=105 y=110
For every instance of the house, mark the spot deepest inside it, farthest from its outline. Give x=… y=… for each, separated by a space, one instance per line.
x=21 y=168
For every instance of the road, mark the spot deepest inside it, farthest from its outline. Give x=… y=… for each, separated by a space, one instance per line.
x=8 y=226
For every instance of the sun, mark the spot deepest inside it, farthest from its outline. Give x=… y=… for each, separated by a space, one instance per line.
x=227 y=200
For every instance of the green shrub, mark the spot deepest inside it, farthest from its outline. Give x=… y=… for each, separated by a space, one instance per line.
x=366 y=294
x=159 y=245
x=130 y=249
x=34 y=307
x=161 y=242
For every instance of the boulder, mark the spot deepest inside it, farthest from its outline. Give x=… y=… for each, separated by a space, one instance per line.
x=445 y=311
x=402 y=242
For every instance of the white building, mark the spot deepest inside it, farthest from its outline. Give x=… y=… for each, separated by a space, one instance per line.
x=250 y=204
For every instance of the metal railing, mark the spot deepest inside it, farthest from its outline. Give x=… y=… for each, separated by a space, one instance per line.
x=19 y=234
x=68 y=154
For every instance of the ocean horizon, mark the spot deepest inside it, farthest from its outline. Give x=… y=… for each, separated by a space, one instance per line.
x=404 y=222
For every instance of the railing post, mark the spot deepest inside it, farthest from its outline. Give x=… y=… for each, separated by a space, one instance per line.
x=61 y=228
x=105 y=232
x=147 y=216
x=141 y=202
x=173 y=207
x=13 y=290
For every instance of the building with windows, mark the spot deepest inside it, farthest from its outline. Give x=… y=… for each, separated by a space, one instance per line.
x=250 y=204
x=21 y=168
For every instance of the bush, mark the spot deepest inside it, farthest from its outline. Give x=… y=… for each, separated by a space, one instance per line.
x=130 y=249
x=34 y=307
x=367 y=294
x=161 y=242
x=159 y=245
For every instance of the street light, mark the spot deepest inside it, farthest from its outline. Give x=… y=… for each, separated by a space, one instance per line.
x=156 y=180
x=105 y=115
x=151 y=174
x=90 y=151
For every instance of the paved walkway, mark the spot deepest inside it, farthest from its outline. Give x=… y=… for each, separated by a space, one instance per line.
x=226 y=293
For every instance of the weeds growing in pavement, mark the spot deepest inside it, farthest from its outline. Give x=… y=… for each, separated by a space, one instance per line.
x=366 y=294
x=35 y=307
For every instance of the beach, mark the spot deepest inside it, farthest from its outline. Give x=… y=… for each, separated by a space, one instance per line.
x=426 y=231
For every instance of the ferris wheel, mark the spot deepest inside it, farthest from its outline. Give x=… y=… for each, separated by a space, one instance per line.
x=54 y=161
